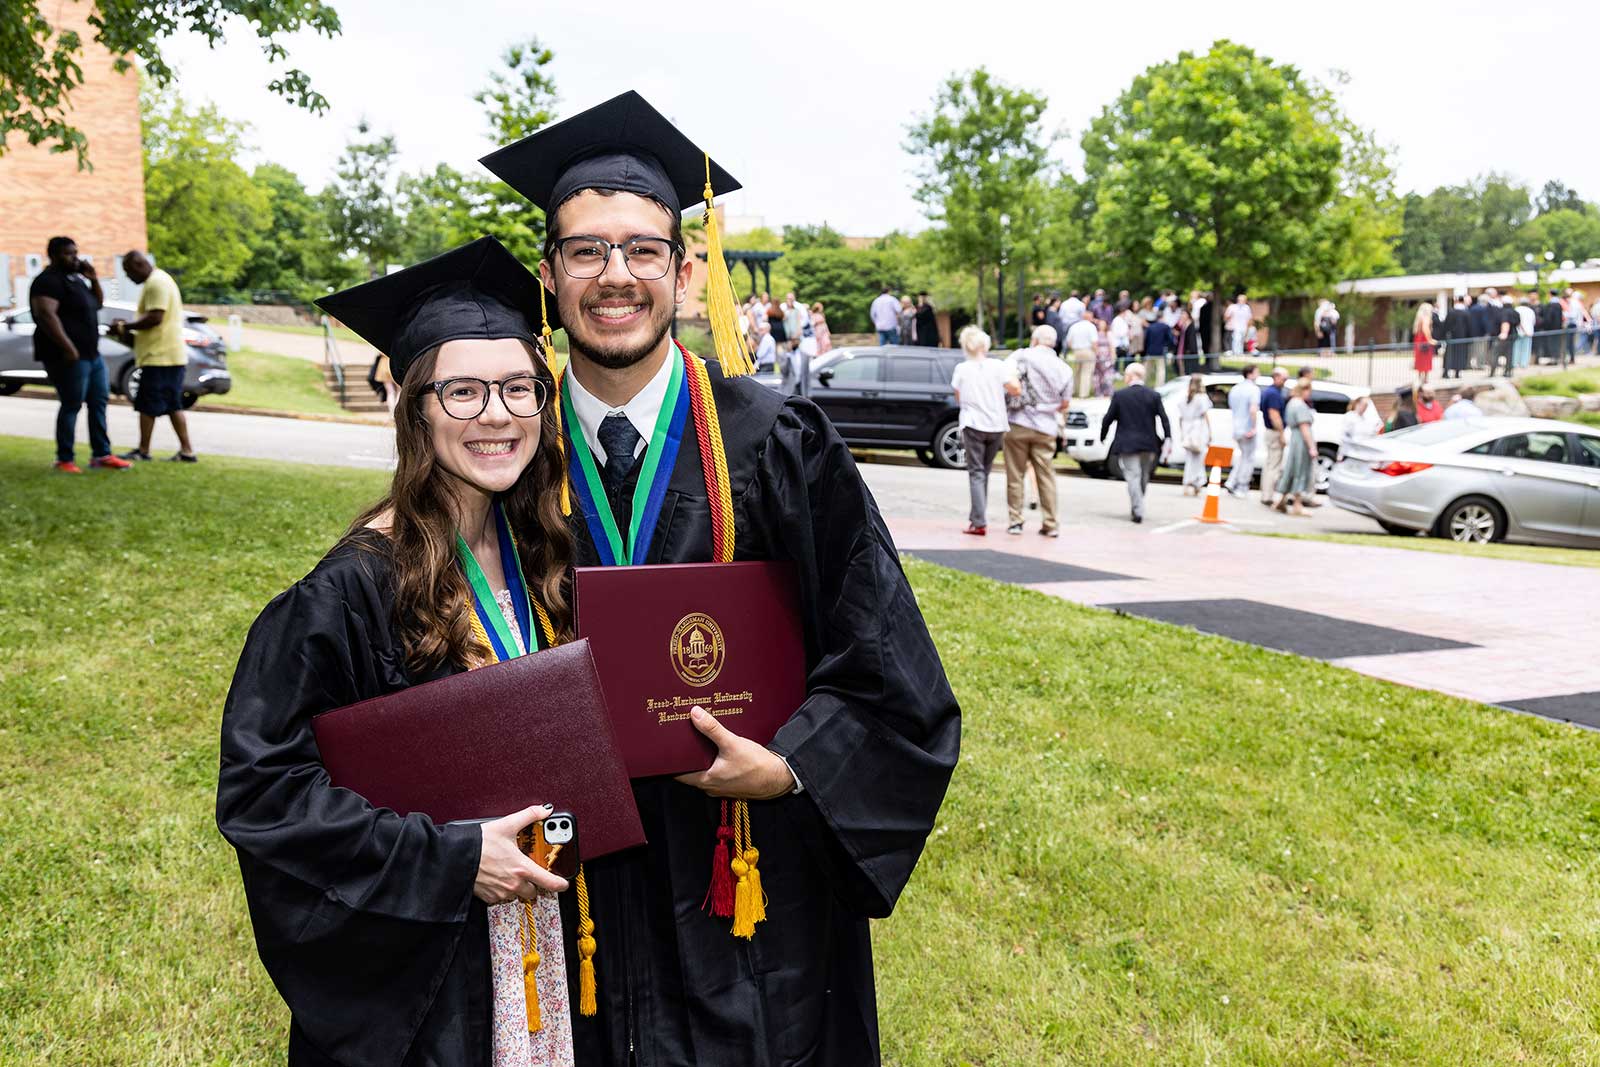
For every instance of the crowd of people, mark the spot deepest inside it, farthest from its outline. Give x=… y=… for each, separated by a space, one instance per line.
x=1102 y=336
x=900 y=320
x=1503 y=331
x=778 y=332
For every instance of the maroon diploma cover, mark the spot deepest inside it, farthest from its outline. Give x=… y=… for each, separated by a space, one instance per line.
x=489 y=742
x=666 y=637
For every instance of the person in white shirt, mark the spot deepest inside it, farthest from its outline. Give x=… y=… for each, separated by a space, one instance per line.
x=1238 y=323
x=766 y=348
x=1044 y=392
x=1244 y=401
x=1119 y=338
x=1462 y=407
x=1360 y=422
x=982 y=385
x=885 y=315
x=1522 y=344
x=1082 y=336
x=1072 y=310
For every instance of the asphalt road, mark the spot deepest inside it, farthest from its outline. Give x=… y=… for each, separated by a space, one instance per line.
x=903 y=492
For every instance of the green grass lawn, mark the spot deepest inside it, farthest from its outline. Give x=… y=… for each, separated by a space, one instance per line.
x=1572 y=557
x=1160 y=848
x=278 y=383
x=342 y=333
x=1566 y=383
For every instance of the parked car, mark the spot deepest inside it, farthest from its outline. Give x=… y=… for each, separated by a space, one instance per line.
x=892 y=396
x=207 y=371
x=1329 y=400
x=1489 y=479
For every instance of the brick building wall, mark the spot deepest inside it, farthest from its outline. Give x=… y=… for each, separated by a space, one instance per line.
x=44 y=194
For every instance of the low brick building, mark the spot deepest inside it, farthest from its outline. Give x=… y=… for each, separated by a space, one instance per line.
x=43 y=194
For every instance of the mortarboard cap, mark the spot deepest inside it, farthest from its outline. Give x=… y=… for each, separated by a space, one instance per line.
x=623 y=144
x=476 y=290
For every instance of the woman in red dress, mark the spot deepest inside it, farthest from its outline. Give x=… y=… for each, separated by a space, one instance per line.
x=1422 y=345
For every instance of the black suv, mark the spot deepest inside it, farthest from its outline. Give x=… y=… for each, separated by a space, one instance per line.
x=896 y=396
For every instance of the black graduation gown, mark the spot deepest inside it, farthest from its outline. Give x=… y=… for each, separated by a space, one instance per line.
x=365 y=921
x=874 y=744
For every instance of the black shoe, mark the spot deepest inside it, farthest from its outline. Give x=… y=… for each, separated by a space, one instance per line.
x=1014 y=528
x=137 y=456
x=1138 y=519
x=183 y=457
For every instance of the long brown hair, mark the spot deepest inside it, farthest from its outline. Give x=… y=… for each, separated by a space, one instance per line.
x=432 y=601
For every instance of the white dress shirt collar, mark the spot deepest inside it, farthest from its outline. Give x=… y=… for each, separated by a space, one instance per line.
x=642 y=410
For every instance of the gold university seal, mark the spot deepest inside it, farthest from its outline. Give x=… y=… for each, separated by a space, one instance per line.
x=697 y=649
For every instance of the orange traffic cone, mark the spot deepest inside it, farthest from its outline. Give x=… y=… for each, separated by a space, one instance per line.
x=1215 y=457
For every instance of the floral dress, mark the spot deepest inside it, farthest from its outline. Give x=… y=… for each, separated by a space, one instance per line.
x=1105 y=367
x=514 y=1046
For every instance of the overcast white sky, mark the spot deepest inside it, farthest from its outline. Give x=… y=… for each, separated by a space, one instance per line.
x=809 y=111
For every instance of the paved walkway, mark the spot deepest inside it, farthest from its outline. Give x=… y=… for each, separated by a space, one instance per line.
x=301 y=345
x=1529 y=628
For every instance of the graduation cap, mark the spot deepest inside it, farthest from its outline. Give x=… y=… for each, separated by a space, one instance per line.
x=625 y=145
x=476 y=290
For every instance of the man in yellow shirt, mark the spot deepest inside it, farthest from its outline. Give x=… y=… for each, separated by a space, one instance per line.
x=158 y=350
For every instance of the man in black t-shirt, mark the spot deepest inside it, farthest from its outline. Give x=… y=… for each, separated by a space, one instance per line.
x=66 y=298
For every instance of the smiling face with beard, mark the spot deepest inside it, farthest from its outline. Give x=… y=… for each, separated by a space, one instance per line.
x=615 y=320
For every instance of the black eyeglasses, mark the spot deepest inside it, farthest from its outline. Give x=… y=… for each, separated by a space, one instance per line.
x=466 y=398
x=647 y=258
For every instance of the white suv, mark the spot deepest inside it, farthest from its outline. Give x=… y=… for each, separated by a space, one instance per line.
x=1330 y=400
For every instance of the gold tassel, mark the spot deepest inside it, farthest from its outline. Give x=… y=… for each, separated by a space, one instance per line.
x=547 y=343
x=587 y=1004
x=749 y=899
x=530 y=967
x=721 y=305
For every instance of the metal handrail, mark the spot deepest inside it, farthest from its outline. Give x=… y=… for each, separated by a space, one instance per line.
x=331 y=357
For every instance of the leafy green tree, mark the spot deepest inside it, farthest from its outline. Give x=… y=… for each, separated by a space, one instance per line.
x=1570 y=234
x=1463 y=227
x=361 y=201
x=1555 y=196
x=439 y=207
x=294 y=253
x=1227 y=170
x=845 y=282
x=983 y=170
x=202 y=211
x=800 y=238
x=518 y=100
x=39 y=68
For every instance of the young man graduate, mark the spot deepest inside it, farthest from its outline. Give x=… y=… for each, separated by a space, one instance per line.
x=840 y=803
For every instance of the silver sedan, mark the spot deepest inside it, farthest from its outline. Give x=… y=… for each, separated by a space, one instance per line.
x=1483 y=479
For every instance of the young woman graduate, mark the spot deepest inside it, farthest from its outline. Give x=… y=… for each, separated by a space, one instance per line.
x=394 y=940
x=674 y=458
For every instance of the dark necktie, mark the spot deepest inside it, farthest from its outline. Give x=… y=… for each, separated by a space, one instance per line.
x=619 y=438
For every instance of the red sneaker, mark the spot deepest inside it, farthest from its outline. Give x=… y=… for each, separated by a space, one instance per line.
x=68 y=467
x=114 y=463
x=977 y=531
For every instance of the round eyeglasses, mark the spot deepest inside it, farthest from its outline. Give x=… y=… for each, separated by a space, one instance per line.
x=647 y=258
x=466 y=398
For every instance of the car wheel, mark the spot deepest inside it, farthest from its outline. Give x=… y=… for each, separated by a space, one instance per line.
x=926 y=457
x=1473 y=520
x=947 y=450
x=1327 y=459
x=189 y=400
x=7 y=388
x=130 y=383
x=1397 y=529
x=1095 y=470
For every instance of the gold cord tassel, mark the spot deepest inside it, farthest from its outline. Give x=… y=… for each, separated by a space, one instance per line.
x=721 y=305
x=547 y=344
x=749 y=899
x=587 y=1004
x=530 y=967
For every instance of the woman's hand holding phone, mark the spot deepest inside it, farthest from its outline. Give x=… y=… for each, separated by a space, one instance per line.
x=504 y=872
